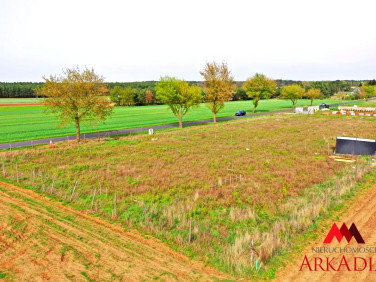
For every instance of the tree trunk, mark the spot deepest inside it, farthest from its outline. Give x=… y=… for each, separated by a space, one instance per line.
x=180 y=122
x=78 y=130
x=255 y=104
x=214 y=118
x=311 y=102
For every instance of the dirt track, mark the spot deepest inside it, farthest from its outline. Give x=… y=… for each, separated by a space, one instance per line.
x=363 y=214
x=41 y=239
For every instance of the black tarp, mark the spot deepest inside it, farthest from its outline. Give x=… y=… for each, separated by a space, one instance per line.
x=355 y=146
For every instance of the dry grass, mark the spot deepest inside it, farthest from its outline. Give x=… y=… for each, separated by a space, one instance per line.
x=162 y=181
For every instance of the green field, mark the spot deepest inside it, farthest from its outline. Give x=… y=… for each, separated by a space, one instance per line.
x=21 y=123
x=20 y=100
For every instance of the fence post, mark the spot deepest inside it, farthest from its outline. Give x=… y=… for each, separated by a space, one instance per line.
x=92 y=202
x=74 y=189
x=53 y=184
x=115 y=207
x=190 y=230
x=4 y=173
x=17 y=176
x=252 y=253
x=275 y=236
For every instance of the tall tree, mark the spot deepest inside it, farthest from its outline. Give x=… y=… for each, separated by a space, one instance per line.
x=218 y=86
x=115 y=95
x=292 y=92
x=77 y=96
x=313 y=94
x=122 y=96
x=259 y=87
x=369 y=91
x=127 y=96
x=178 y=95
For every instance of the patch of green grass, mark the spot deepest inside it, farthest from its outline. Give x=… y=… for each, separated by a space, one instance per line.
x=20 y=100
x=21 y=123
x=3 y=275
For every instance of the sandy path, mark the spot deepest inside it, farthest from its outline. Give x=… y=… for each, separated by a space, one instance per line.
x=42 y=239
x=363 y=214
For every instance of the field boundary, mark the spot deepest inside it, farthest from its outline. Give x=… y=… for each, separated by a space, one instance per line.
x=102 y=134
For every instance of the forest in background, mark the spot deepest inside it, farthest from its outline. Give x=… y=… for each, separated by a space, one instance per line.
x=144 y=92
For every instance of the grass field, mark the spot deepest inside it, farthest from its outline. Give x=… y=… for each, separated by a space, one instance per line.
x=230 y=182
x=30 y=122
x=20 y=100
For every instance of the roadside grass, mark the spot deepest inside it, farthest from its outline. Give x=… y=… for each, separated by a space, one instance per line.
x=165 y=183
x=21 y=123
x=319 y=226
x=371 y=103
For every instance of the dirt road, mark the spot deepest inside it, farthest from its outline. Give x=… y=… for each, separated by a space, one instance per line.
x=41 y=239
x=363 y=214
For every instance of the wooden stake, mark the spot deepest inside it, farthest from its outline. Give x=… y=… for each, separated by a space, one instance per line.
x=92 y=202
x=252 y=253
x=100 y=189
x=17 y=176
x=275 y=236
x=33 y=176
x=115 y=207
x=190 y=231
x=53 y=184
x=4 y=173
x=74 y=189
x=337 y=192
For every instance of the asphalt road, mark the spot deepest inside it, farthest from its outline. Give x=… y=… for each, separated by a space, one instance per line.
x=141 y=129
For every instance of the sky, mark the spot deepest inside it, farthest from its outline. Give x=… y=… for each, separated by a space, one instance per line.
x=142 y=40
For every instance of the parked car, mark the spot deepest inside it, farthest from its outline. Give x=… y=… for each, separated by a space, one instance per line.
x=324 y=106
x=240 y=113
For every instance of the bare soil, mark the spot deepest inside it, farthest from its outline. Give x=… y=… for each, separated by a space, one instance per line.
x=41 y=239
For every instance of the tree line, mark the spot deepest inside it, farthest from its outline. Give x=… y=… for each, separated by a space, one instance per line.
x=78 y=96
x=143 y=93
x=19 y=89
